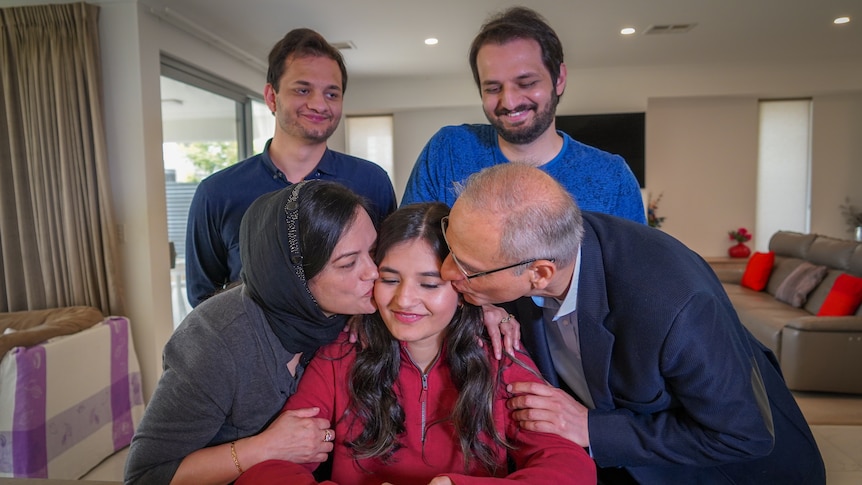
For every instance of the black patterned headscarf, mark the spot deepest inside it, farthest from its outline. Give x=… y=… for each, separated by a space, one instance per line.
x=273 y=273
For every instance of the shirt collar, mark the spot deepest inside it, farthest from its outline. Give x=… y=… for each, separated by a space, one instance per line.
x=570 y=302
x=326 y=164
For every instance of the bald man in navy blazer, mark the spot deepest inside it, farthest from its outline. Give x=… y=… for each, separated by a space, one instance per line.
x=648 y=365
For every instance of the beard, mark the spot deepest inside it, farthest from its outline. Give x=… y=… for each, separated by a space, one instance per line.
x=526 y=133
x=296 y=129
x=291 y=123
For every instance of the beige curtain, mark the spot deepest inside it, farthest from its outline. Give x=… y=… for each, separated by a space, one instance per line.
x=57 y=236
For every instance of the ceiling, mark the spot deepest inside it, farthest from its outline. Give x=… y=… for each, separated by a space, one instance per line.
x=388 y=35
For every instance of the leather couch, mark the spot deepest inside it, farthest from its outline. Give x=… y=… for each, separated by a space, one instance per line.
x=816 y=353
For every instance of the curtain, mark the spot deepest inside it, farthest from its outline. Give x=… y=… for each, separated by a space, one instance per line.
x=57 y=235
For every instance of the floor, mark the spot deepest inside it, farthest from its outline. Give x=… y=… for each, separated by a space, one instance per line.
x=841 y=447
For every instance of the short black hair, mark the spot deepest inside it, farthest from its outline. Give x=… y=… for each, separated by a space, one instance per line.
x=520 y=23
x=302 y=43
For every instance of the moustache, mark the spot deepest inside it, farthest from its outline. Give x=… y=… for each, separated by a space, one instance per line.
x=523 y=107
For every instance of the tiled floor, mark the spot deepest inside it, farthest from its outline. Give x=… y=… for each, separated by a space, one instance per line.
x=841 y=447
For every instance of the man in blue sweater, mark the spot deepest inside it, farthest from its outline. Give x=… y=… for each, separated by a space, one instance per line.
x=304 y=89
x=517 y=63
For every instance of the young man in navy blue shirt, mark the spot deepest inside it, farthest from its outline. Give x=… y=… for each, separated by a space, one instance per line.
x=304 y=89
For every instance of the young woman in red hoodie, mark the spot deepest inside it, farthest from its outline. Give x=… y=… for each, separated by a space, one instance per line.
x=419 y=402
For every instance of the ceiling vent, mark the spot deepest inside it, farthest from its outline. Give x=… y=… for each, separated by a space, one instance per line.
x=669 y=29
x=344 y=46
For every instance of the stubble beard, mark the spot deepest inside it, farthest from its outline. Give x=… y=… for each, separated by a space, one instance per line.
x=293 y=126
x=296 y=129
x=525 y=134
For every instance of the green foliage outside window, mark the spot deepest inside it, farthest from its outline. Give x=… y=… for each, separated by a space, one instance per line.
x=209 y=157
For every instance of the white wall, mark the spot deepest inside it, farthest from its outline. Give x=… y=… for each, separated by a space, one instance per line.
x=412 y=129
x=837 y=156
x=702 y=155
x=132 y=114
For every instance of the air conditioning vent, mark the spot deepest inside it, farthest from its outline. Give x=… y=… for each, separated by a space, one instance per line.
x=669 y=29
x=344 y=46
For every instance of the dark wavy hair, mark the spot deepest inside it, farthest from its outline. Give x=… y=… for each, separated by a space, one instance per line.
x=519 y=23
x=372 y=378
x=302 y=43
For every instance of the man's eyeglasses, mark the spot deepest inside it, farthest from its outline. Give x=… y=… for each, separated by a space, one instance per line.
x=444 y=223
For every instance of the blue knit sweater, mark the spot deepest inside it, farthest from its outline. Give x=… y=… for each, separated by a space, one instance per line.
x=598 y=180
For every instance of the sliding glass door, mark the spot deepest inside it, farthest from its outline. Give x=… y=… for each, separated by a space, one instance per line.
x=207 y=124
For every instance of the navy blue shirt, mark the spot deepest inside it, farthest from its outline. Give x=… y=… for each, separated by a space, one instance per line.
x=212 y=234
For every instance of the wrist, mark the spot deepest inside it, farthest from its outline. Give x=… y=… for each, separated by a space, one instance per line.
x=247 y=453
x=234 y=456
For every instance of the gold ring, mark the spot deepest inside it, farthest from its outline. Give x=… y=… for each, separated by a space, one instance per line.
x=327 y=435
x=507 y=318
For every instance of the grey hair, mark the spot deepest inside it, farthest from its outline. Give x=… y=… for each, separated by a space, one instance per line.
x=539 y=219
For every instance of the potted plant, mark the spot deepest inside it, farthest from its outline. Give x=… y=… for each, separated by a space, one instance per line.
x=852 y=217
x=740 y=250
x=652 y=212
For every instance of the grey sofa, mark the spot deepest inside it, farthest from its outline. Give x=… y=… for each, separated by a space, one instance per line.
x=815 y=353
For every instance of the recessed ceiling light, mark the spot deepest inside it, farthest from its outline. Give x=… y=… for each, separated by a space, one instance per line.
x=431 y=41
x=841 y=20
x=627 y=31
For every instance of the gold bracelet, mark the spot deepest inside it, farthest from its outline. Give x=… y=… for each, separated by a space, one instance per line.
x=233 y=455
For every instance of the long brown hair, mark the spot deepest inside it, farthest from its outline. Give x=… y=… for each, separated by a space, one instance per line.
x=373 y=376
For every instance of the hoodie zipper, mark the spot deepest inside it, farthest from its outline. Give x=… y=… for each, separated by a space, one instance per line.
x=423 y=395
x=423 y=399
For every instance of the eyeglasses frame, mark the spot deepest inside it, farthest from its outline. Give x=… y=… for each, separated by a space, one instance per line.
x=444 y=222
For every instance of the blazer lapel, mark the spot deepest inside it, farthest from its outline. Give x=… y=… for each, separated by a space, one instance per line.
x=593 y=310
x=534 y=339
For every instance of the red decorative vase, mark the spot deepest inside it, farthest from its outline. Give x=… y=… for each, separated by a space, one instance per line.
x=739 y=251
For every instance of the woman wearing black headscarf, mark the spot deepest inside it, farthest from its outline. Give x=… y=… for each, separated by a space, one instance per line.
x=232 y=363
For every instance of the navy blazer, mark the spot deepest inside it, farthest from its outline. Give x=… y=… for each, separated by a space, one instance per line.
x=680 y=386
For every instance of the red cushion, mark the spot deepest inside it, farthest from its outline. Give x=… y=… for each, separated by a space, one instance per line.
x=844 y=297
x=757 y=271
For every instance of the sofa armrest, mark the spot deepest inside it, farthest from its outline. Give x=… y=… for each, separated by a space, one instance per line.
x=823 y=356
x=730 y=275
x=36 y=326
x=728 y=270
x=814 y=323
x=70 y=402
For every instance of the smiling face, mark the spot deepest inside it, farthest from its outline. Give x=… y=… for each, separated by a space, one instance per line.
x=415 y=303
x=345 y=285
x=518 y=96
x=309 y=100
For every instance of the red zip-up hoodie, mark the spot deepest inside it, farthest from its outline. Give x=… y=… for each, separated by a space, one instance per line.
x=429 y=446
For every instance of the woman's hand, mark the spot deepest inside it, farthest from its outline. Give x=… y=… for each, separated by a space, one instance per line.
x=296 y=436
x=503 y=330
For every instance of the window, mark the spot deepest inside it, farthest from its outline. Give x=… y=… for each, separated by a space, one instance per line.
x=207 y=124
x=370 y=137
x=784 y=168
